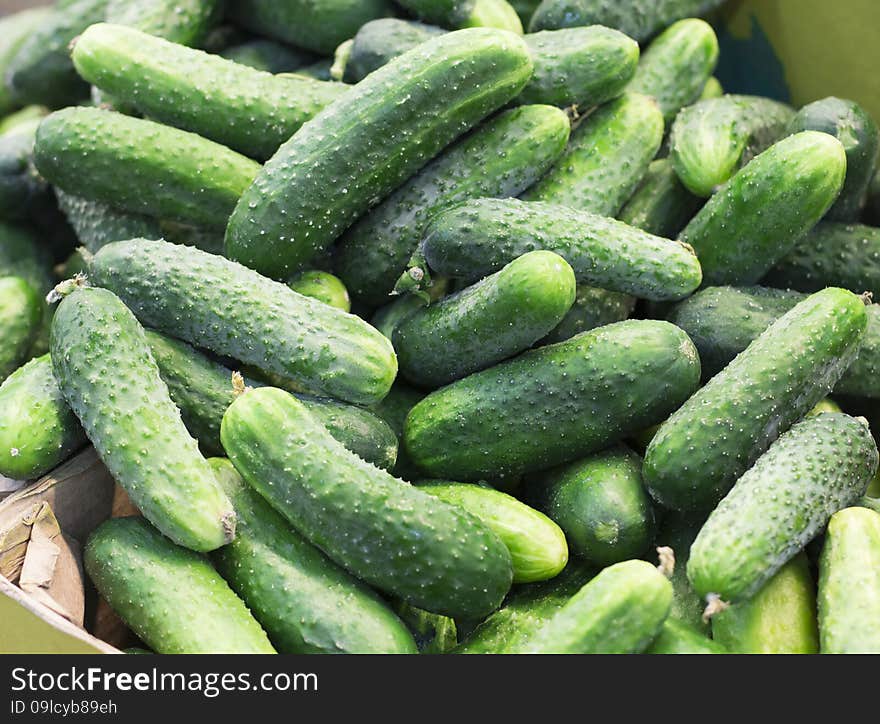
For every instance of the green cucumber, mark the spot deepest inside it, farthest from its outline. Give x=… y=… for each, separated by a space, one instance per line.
x=870 y=503
x=494 y=319
x=779 y=619
x=712 y=89
x=477 y=238
x=333 y=170
x=601 y=504
x=38 y=431
x=23 y=255
x=23 y=192
x=187 y=22
x=592 y=308
x=391 y=535
x=171 y=597
x=15 y=29
x=849 y=584
x=388 y=318
x=554 y=404
x=172 y=174
x=228 y=309
x=821 y=465
x=319 y=70
x=620 y=611
x=606 y=158
x=210 y=240
x=762 y=212
x=701 y=450
x=22 y=117
x=850 y=124
x=305 y=602
x=97 y=224
x=712 y=139
x=248 y=110
x=393 y=409
x=823 y=406
x=525 y=9
x=105 y=371
x=20 y=313
x=536 y=544
x=677 y=532
x=434 y=634
x=379 y=41
x=448 y=13
x=268 y=56
x=872 y=205
x=494 y=14
x=675 y=67
x=322 y=286
x=676 y=637
x=661 y=205
x=503 y=157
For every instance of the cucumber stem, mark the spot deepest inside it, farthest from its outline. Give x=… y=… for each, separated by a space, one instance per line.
x=66 y=287
x=714 y=606
x=667 y=560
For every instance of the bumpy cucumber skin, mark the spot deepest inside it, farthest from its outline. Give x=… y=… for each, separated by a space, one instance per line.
x=378 y=41
x=231 y=310
x=23 y=255
x=849 y=584
x=502 y=158
x=601 y=504
x=592 y=308
x=250 y=111
x=267 y=55
x=701 y=450
x=476 y=238
x=23 y=192
x=675 y=67
x=713 y=138
x=537 y=545
x=104 y=368
x=15 y=29
x=389 y=534
x=821 y=465
x=171 y=597
x=850 y=124
x=322 y=286
x=619 y=612
x=305 y=602
x=494 y=319
x=678 y=532
x=20 y=313
x=676 y=637
x=762 y=212
x=606 y=158
x=169 y=173
x=554 y=404
x=779 y=619
x=661 y=205
x=97 y=224
x=37 y=429
x=186 y=22
x=359 y=149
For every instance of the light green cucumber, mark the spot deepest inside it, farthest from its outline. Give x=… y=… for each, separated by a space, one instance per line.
x=712 y=89
x=15 y=29
x=676 y=637
x=661 y=205
x=20 y=313
x=494 y=14
x=322 y=286
x=187 y=22
x=448 y=13
x=21 y=117
x=389 y=317
x=593 y=307
x=97 y=224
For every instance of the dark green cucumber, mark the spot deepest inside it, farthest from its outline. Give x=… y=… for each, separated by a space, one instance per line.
x=171 y=597
x=872 y=205
x=389 y=534
x=268 y=56
x=322 y=286
x=677 y=637
x=494 y=14
x=712 y=89
x=723 y=321
x=379 y=41
x=853 y=126
x=448 y=13
x=536 y=544
x=606 y=158
x=677 y=532
x=661 y=205
x=230 y=310
x=701 y=450
x=333 y=170
x=675 y=67
x=97 y=224
x=170 y=173
x=779 y=619
x=248 y=110
x=319 y=70
x=849 y=584
x=762 y=212
x=305 y=602
x=187 y=22
x=525 y=9
x=554 y=404
x=15 y=29
x=712 y=139
x=501 y=158
x=23 y=192
x=592 y=308
x=105 y=371
x=388 y=318
x=20 y=313
x=870 y=502
x=22 y=254
x=37 y=429
x=821 y=465
x=393 y=409
x=477 y=238
x=496 y=318
x=601 y=504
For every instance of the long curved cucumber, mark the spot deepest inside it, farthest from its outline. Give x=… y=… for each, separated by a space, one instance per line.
x=334 y=169
x=97 y=224
x=20 y=313
x=105 y=371
x=593 y=307
x=171 y=173
x=171 y=597
x=677 y=637
x=821 y=465
x=661 y=205
x=381 y=529
x=554 y=404
x=762 y=212
x=230 y=310
x=15 y=29
x=701 y=450
x=187 y=22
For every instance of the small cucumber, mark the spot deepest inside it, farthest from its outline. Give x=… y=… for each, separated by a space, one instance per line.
x=230 y=310
x=105 y=371
x=536 y=544
x=592 y=308
x=712 y=89
x=20 y=313
x=97 y=224
x=24 y=193
x=15 y=29
x=821 y=465
x=675 y=67
x=606 y=158
x=701 y=450
x=187 y=22
x=268 y=56
x=322 y=286
x=661 y=205
x=779 y=619
x=762 y=212
x=172 y=174
x=601 y=504
x=171 y=597
x=677 y=532
x=676 y=637
x=853 y=126
x=554 y=404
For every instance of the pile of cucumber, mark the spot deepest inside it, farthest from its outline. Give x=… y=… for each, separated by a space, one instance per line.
x=406 y=330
